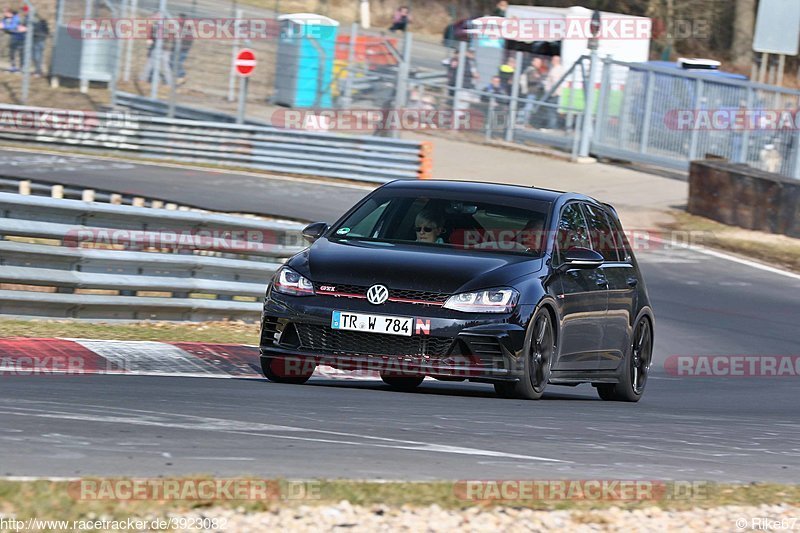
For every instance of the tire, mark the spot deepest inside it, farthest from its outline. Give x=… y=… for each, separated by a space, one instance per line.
x=636 y=367
x=540 y=349
x=402 y=383
x=293 y=371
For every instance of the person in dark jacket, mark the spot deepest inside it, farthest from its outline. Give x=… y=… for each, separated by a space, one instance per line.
x=41 y=31
x=400 y=19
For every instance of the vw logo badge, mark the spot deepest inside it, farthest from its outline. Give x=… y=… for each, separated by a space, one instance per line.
x=377 y=294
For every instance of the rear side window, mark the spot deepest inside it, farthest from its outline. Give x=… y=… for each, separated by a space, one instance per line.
x=602 y=234
x=623 y=246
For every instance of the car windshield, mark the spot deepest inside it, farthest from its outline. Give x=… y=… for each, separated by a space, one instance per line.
x=507 y=225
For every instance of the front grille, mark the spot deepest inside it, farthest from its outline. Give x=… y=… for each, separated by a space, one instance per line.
x=361 y=290
x=325 y=339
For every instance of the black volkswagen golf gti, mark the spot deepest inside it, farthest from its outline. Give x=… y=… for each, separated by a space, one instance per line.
x=502 y=284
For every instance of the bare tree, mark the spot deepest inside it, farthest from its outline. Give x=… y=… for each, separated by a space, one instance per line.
x=743 y=25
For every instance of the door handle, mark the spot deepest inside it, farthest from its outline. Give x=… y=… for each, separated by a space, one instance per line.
x=602 y=282
x=632 y=282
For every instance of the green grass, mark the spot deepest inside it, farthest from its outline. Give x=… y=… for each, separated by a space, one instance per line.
x=212 y=332
x=59 y=500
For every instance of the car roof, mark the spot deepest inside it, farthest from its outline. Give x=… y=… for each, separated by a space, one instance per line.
x=487 y=188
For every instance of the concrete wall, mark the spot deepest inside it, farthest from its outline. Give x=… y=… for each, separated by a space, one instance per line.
x=742 y=196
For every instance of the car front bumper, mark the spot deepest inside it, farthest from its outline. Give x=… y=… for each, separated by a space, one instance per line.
x=479 y=347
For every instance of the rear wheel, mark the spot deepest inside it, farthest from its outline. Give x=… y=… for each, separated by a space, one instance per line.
x=291 y=370
x=403 y=383
x=540 y=349
x=637 y=366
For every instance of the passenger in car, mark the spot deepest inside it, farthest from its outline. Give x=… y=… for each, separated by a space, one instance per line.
x=429 y=226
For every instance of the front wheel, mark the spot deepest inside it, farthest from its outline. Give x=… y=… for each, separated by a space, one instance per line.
x=291 y=370
x=540 y=350
x=637 y=366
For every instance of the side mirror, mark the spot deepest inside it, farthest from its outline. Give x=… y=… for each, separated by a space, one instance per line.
x=583 y=258
x=314 y=231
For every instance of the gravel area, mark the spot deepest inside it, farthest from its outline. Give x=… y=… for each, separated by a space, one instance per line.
x=346 y=517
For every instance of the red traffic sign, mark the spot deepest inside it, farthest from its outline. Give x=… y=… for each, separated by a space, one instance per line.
x=245 y=62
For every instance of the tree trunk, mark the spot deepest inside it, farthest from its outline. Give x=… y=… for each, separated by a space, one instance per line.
x=743 y=27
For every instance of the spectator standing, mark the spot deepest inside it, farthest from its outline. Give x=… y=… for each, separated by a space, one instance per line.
x=554 y=76
x=506 y=72
x=470 y=71
x=186 y=39
x=400 y=19
x=532 y=86
x=41 y=31
x=16 y=37
x=500 y=9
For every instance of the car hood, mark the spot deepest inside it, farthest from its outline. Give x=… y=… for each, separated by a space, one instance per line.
x=410 y=266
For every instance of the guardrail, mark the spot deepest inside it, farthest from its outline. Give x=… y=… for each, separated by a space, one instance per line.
x=160 y=108
x=69 y=258
x=361 y=158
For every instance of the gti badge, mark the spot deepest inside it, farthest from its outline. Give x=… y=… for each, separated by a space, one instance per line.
x=377 y=294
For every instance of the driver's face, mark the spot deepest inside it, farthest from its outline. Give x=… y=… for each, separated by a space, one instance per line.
x=426 y=230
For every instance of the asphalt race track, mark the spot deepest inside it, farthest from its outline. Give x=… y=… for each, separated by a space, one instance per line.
x=306 y=200
x=735 y=429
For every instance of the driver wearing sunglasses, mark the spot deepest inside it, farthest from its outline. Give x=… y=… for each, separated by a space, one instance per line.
x=429 y=226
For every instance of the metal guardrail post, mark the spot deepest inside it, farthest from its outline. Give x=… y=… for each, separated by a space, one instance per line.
x=588 y=102
x=648 y=111
x=490 y=117
x=796 y=161
x=576 y=137
x=347 y=99
x=234 y=50
x=512 y=107
x=28 y=52
x=132 y=10
x=741 y=157
x=155 y=74
x=401 y=91
x=112 y=84
x=602 y=104
x=460 y=69
x=695 y=133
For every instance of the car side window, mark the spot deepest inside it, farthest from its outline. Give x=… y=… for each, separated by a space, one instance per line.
x=623 y=246
x=572 y=230
x=601 y=234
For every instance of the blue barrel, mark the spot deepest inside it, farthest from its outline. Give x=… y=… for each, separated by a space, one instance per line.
x=304 y=70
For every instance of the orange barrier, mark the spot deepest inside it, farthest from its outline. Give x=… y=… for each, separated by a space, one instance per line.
x=369 y=49
x=425 y=160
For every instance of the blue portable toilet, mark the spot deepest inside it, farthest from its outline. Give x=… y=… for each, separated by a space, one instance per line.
x=304 y=69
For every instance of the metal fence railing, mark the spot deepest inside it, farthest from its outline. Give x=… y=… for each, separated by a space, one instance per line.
x=362 y=158
x=70 y=258
x=658 y=116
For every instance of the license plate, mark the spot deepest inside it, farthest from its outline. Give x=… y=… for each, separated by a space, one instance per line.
x=390 y=325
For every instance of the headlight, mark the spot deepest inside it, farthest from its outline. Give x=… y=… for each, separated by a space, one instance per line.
x=488 y=301
x=287 y=281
